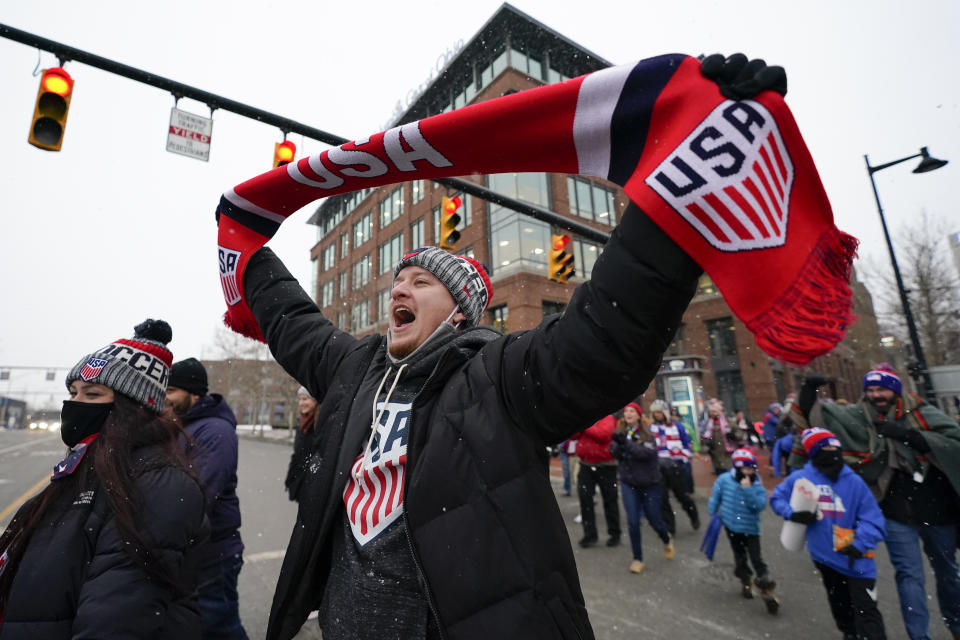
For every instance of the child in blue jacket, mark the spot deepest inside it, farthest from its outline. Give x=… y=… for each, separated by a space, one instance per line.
x=739 y=497
x=841 y=534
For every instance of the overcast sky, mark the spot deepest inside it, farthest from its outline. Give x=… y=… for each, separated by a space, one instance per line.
x=114 y=229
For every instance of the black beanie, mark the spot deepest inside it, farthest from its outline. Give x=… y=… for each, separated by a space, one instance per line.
x=190 y=376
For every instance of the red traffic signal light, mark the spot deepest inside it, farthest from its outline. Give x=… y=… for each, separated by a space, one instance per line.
x=50 y=111
x=560 y=261
x=283 y=153
x=449 y=219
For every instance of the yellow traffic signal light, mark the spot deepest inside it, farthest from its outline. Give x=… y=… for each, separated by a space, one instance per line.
x=560 y=262
x=449 y=219
x=283 y=153
x=50 y=112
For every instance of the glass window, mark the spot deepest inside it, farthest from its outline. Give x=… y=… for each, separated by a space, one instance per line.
x=723 y=337
x=486 y=75
x=362 y=229
x=499 y=64
x=359 y=315
x=314 y=274
x=551 y=308
x=417 y=191
x=705 y=285
x=329 y=257
x=326 y=294
x=436 y=224
x=498 y=318
x=535 y=66
x=343 y=284
x=361 y=272
x=585 y=255
x=730 y=390
x=468 y=253
x=391 y=207
x=344 y=245
x=417 y=236
x=390 y=253
x=341 y=319
x=518 y=60
x=383 y=303
x=518 y=241
x=591 y=201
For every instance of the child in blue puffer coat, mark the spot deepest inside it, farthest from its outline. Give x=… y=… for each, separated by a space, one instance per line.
x=738 y=497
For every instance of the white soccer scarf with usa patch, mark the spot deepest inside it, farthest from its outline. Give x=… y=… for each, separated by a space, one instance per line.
x=731 y=182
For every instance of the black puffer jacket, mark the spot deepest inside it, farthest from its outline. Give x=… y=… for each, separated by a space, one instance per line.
x=76 y=579
x=485 y=528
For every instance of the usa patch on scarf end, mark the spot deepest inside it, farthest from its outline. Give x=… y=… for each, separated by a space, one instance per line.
x=812 y=315
x=245 y=326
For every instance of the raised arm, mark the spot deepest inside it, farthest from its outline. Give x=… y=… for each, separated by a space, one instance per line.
x=304 y=342
x=606 y=347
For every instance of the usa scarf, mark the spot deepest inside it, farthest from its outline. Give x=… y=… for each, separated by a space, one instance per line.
x=732 y=183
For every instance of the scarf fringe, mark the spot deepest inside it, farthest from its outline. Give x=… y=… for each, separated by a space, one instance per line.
x=812 y=315
x=235 y=320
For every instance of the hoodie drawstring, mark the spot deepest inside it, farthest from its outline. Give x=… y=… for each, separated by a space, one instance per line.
x=377 y=416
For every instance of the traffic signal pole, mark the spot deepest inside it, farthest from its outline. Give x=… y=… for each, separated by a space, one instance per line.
x=179 y=90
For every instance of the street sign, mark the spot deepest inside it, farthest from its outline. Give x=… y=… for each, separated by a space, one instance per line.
x=189 y=134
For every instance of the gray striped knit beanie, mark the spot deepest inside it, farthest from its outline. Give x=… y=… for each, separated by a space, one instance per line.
x=138 y=368
x=465 y=279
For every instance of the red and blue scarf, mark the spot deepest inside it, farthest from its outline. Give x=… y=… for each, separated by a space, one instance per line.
x=731 y=182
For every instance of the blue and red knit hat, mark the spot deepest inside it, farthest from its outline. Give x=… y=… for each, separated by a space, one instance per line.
x=743 y=458
x=883 y=376
x=817 y=438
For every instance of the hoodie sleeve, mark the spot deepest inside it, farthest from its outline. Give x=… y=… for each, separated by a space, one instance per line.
x=870 y=527
x=594 y=357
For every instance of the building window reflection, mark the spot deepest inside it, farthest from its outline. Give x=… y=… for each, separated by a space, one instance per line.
x=585 y=255
x=518 y=241
x=498 y=318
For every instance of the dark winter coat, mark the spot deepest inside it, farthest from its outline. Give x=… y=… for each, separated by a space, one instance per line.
x=484 y=528
x=301 y=457
x=212 y=448
x=638 y=461
x=76 y=579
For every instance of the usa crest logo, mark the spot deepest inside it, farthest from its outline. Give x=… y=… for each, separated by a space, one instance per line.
x=731 y=178
x=92 y=368
x=228 y=274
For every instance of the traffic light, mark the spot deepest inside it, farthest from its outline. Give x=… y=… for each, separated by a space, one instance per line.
x=283 y=153
x=449 y=219
x=560 y=265
x=50 y=112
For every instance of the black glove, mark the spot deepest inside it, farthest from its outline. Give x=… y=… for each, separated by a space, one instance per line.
x=899 y=430
x=851 y=552
x=808 y=393
x=803 y=517
x=740 y=79
x=619 y=437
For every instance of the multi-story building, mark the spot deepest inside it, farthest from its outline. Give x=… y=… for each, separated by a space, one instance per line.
x=362 y=235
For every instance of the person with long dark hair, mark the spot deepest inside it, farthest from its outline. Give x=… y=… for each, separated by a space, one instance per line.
x=109 y=549
x=635 y=448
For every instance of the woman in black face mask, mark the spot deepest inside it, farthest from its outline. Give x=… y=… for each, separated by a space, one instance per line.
x=109 y=548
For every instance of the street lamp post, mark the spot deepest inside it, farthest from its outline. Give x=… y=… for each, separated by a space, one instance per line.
x=927 y=163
